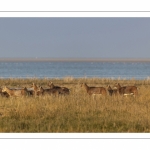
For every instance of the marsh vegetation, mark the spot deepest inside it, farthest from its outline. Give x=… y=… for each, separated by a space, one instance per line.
x=76 y=112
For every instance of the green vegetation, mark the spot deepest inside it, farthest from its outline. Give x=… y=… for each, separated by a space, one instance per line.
x=77 y=112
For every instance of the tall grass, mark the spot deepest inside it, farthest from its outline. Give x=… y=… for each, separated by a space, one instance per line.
x=77 y=112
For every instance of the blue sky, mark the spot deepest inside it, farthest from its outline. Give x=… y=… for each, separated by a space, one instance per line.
x=75 y=37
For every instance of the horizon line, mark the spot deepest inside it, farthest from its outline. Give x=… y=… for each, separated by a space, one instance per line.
x=40 y=59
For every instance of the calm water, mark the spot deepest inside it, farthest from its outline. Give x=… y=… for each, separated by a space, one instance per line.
x=125 y=70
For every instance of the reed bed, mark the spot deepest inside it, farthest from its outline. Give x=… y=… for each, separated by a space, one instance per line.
x=77 y=112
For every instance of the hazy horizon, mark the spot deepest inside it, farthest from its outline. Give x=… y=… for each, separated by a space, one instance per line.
x=74 y=60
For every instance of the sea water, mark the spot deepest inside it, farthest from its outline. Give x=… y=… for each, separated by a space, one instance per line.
x=122 y=70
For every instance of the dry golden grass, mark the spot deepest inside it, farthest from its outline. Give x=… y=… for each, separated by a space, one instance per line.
x=77 y=112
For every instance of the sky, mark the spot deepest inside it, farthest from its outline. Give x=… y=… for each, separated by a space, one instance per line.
x=69 y=37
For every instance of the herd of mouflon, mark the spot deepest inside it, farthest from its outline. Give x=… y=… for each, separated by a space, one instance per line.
x=35 y=90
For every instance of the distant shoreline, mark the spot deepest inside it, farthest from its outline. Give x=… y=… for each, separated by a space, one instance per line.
x=73 y=60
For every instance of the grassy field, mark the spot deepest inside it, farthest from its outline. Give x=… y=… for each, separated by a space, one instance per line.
x=77 y=112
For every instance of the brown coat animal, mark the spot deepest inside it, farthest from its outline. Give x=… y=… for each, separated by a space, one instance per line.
x=94 y=90
x=112 y=91
x=15 y=92
x=35 y=89
x=3 y=94
x=127 y=90
x=40 y=91
x=43 y=91
x=62 y=90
